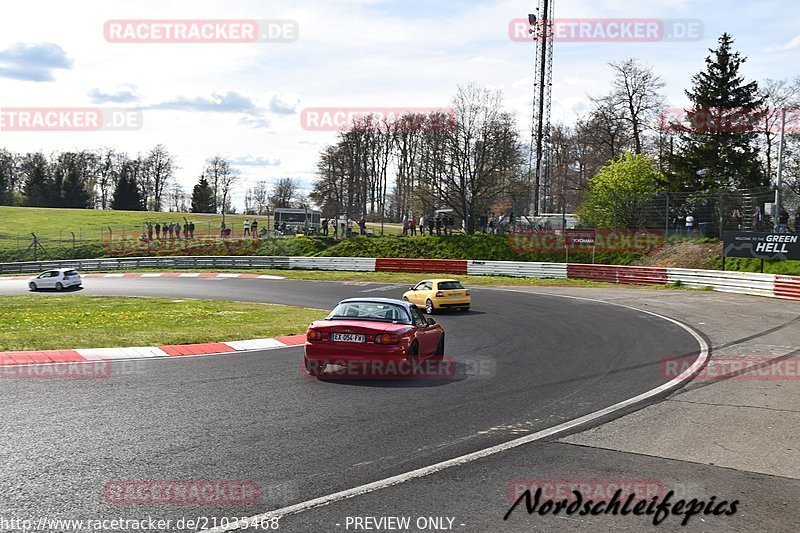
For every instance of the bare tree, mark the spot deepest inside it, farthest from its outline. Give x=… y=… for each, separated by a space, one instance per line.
x=778 y=95
x=176 y=197
x=482 y=150
x=159 y=170
x=284 y=192
x=636 y=91
x=215 y=170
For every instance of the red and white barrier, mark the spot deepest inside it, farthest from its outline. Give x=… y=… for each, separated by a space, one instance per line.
x=769 y=285
x=145 y=352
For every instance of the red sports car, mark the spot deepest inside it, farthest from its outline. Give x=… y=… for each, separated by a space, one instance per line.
x=376 y=333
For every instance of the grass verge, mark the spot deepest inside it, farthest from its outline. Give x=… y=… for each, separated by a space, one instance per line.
x=33 y=322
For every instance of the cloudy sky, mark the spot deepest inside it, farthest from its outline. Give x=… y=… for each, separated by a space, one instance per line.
x=245 y=100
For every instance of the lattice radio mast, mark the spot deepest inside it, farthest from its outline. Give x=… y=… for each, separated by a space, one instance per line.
x=541 y=31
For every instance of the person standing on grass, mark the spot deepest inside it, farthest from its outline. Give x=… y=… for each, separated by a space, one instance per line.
x=737 y=217
x=254 y=229
x=186 y=230
x=191 y=230
x=689 y=224
x=323 y=225
x=413 y=226
x=362 y=224
x=783 y=221
x=246 y=227
x=758 y=219
x=149 y=231
x=158 y=231
x=431 y=225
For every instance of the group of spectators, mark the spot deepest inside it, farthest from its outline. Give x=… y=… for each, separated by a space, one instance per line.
x=441 y=224
x=759 y=219
x=347 y=226
x=168 y=230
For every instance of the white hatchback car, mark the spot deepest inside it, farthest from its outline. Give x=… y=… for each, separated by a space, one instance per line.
x=59 y=279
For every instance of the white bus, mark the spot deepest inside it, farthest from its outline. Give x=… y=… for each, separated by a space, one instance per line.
x=297 y=220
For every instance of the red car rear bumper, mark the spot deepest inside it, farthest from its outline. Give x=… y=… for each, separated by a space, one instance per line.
x=335 y=352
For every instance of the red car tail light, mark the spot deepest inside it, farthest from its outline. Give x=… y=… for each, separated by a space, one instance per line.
x=313 y=335
x=439 y=294
x=386 y=339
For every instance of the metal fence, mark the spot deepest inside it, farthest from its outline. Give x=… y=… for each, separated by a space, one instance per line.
x=714 y=211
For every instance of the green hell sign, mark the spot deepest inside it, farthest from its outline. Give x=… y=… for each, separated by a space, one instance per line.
x=780 y=246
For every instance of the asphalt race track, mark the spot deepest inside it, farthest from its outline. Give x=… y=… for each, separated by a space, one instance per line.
x=526 y=362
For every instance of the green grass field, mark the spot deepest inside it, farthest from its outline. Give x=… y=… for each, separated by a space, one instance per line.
x=52 y=224
x=34 y=322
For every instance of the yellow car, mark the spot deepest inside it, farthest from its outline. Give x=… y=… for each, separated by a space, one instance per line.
x=436 y=294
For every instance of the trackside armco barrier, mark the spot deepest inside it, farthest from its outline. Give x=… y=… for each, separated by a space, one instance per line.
x=769 y=285
x=517 y=269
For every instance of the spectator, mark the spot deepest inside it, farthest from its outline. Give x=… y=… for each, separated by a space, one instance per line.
x=246 y=227
x=413 y=226
x=253 y=229
x=324 y=226
x=283 y=228
x=191 y=230
x=276 y=227
x=144 y=236
x=758 y=219
x=350 y=225
x=158 y=231
x=492 y=224
x=689 y=224
x=484 y=222
x=431 y=224
x=783 y=221
x=335 y=229
x=362 y=225
x=406 y=225
x=149 y=231
x=185 y=229
x=679 y=222
x=422 y=225
x=438 y=226
x=737 y=217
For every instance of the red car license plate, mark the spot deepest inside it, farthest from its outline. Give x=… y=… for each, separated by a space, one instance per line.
x=347 y=337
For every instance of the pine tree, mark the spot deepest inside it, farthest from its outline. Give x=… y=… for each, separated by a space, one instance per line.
x=127 y=195
x=73 y=190
x=203 y=197
x=38 y=182
x=718 y=147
